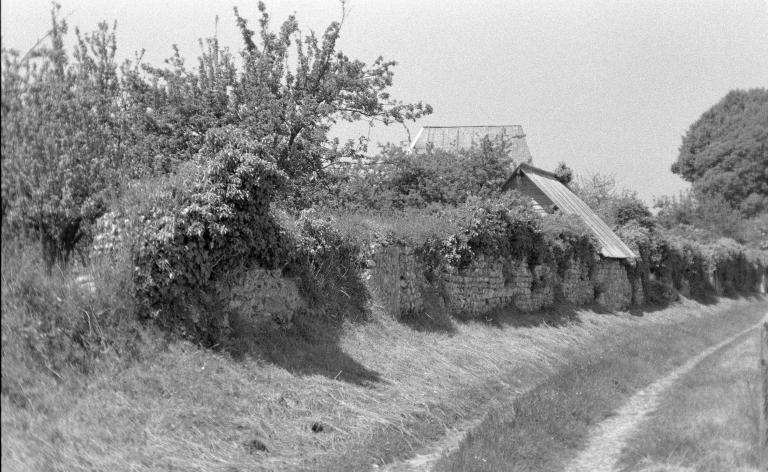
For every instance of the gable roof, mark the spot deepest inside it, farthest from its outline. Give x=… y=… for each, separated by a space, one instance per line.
x=567 y=202
x=461 y=138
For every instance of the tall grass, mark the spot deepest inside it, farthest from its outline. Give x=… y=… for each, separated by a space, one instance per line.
x=58 y=326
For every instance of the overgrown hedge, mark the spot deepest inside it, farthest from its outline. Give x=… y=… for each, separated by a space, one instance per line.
x=211 y=218
x=680 y=263
x=447 y=238
x=214 y=219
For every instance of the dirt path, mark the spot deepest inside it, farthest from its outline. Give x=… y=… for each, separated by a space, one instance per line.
x=608 y=438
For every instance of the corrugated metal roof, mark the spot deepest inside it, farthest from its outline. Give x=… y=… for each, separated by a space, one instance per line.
x=458 y=138
x=610 y=244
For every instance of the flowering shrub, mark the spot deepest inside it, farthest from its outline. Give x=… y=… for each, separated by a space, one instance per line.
x=211 y=218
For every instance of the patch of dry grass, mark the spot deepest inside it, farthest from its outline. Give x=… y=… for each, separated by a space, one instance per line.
x=707 y=422
x=367 y=393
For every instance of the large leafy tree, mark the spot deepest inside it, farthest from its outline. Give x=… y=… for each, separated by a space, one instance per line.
x=725 y=152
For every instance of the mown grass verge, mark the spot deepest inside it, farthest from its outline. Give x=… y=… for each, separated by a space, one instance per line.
x=708 y=420
x=545 y=427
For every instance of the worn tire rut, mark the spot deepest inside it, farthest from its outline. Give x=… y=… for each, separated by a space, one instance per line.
x=607 y=440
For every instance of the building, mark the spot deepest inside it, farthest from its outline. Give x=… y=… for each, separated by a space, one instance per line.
x=462 y=138
x=549 y=194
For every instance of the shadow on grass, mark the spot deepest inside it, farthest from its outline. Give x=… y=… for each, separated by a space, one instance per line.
x=557 y=315
x=435 y=316
x=309 y=347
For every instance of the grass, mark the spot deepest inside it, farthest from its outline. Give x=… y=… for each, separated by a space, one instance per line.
x=317 y=396
x=544 y=428
x=707 y=421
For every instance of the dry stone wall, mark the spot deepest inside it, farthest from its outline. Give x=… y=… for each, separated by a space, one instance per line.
x=577 y=288
x=612 y=284
x=397 y=283
x=395 y=279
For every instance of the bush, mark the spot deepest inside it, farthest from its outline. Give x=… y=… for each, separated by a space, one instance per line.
x=713 y=217
x=567 y=238
x=211 y=218
x=396 y=181
x=329 y=265
x=564 y=173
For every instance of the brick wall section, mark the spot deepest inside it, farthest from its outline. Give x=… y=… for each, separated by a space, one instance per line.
x=262 y=295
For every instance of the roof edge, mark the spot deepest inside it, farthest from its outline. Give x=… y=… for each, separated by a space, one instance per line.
x=523 y=167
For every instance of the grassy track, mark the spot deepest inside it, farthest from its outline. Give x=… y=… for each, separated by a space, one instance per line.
x=544 y=428
x=707 y=421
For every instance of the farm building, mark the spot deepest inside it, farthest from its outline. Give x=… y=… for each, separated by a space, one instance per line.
x=549 y=194
x=462 y=138
x=543 y=188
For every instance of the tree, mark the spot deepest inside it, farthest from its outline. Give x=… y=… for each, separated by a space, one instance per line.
x=564 y=173
x=725 y=152
x=616 y=207
x=288 y=102
x=61 y=144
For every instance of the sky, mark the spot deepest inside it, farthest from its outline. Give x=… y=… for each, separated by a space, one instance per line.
x=607 y=87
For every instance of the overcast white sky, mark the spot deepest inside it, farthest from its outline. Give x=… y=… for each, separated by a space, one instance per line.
x=606 y=86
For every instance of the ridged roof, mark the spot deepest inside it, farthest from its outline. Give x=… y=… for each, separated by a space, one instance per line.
x=567 y=202
x=459 y=138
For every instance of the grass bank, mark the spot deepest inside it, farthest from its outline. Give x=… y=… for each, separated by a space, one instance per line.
x=320 y=395
x=544 y=428
x=707 y=422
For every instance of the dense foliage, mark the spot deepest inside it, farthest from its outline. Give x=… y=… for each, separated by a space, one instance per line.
x=210 y=219
x=725 y=152
x=76 y=127
x=396 y=180
x=290 y=91
x=61 y=149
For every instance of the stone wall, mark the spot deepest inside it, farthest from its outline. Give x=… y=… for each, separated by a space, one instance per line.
x=397 y=283
x=395 y=279
x=262 y=295
x=612 y=286
x=577 y=288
